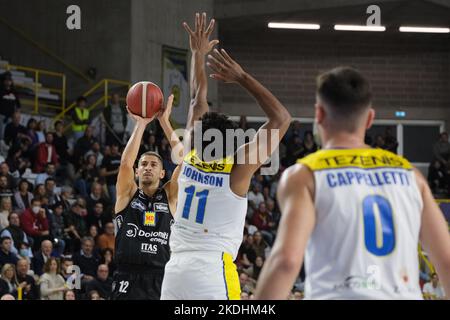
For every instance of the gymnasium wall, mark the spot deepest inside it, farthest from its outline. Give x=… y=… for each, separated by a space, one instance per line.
x=156 y=23
x=103 y=41
x=407 y=72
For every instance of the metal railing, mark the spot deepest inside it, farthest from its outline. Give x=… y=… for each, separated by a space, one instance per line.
x=103 y=89
x=36 y=87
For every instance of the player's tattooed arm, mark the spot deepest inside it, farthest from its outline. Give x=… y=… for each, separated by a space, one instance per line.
x=200 y=46
x=434 y=235
x=268 y=137
x=295 y=196
x=126 y=185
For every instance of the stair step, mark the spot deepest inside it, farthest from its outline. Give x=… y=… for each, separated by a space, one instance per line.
x=14 y=73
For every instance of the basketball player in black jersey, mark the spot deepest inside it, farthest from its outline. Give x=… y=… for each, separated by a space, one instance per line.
x=143 y=217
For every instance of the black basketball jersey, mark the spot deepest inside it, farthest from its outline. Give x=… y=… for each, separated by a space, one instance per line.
x=142 y=232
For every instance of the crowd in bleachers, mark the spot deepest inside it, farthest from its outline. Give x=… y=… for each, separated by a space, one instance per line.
x=57 y=193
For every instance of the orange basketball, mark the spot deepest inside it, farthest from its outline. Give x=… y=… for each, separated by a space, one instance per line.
x=145 y=99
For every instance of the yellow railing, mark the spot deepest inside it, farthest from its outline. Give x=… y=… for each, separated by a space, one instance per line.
x=103 y=88
x=36 y=86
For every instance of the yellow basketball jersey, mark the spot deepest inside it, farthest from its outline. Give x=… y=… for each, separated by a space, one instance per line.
x=368 y=215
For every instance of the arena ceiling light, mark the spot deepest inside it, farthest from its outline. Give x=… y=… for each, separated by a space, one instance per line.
x=348 y=27
x=299 y=26
x=424 y=29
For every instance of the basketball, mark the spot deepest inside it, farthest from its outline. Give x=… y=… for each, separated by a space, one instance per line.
x=145 y=99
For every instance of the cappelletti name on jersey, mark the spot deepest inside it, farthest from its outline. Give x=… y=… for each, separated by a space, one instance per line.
x=368 y=211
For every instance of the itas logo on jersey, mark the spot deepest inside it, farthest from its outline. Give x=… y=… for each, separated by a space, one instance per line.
x=149 y=248
x=149 y=219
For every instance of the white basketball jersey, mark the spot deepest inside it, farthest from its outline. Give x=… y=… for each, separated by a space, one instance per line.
x=368 y=214
x=209 y=216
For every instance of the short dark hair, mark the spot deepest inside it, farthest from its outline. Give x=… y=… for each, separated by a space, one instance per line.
x=151 y=153
x=345 y=91
x=218 y=121
x=36 y=199
x=2 y=239
x=49 y=179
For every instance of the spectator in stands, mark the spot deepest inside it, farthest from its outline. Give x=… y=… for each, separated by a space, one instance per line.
x=5 y=188
x=244 y=295
x=437 y=177
x=6 y=256
x=15 y=233
x=110 y=169
x=115 y=115
x=97 y=194
x=95 y=150
x=247 y=284
x=247 y=252
x=86 y=175
x=87 y=259
x=64 y=197
x=259 y=245
x=17 y=158
x=65 y=264
x=80 y=117
x=379 y=142
x=108 y=259
x=441 y=149
x=294 y=150
x=294 y=130
x=42 y=256
x=8 y=280
x=69 y=295
x=52 y=284
x=98 y=217
x=102 y=282
x=65 y=170
x=256 y=268
x=9 y=100
x=390 y=141
x=309 y=145
x=4 y=171
x=83 y=145
x=51 y=190
x=5 y=211
x=149 y=144
x=433 y=290
x=255 y=197
x=263 y=221
x=50 y=170
x=15 y=131
x=107 y=239
x=39 y=191
x=93 y=295
x=58 y=230
x=22 y=197
x=35 y=223
x=76 y=222
x=31 y=131
x=26 y=281
x=93 y=233
x=45 y=153
x=273 y=212
x=41 y=129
